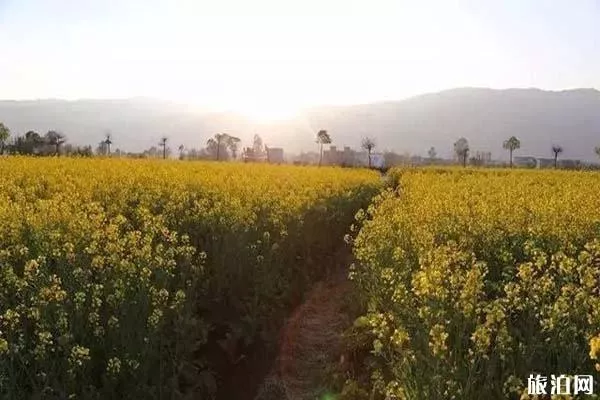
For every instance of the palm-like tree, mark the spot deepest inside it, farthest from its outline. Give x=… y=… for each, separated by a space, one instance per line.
x=461 y=148
x=368 y=144
x=322 y=138
x=597 y=151
x=556 y=149
x=181 y=150
x=56 y=139
x=511 y=144
x=163 y=144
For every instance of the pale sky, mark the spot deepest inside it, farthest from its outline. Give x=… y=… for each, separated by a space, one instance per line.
x=271 y=57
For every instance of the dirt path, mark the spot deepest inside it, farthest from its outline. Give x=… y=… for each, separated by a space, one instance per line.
x=310 y=344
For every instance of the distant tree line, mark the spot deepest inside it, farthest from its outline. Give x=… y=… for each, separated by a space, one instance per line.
x=53 y=143
x=461 y=150
x=225 y=147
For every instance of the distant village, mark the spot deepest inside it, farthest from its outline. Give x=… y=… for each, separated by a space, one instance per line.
x=225 y=147
x=351 y=157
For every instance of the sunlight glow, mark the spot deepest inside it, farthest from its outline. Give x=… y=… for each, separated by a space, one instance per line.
x=269 y=58
x=265 y=112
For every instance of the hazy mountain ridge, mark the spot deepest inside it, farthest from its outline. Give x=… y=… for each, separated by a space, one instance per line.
x=486 y=117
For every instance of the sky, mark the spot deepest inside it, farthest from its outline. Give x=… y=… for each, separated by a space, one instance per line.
x=269 y=58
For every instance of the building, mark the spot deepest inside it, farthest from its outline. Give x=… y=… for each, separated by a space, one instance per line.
x=542 y=162
x=525 y=161
x=307 y=158
x=346 y=157
x=333 y=156
x=275 y=155
x=249 y=155
x=569 y=163
x=483 y=157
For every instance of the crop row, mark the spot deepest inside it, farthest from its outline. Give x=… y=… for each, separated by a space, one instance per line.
x=472 y=280
x=145 y=279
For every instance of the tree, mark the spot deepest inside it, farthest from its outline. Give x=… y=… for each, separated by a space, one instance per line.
x=85 y=151
x=26 y=144
x=108 y=142
x=30 y=143
x=217 y=145
x=511 y=144
x=391 y=158
x=152 y=152
x=597 y=151
x=432 y=153
x=181 y=150
x=368 y=144
x=233 y=145
x=322 y=138
x=56 y=139
x=556 y=149
x=163 y=144
x=220 y=139
x=194 y=154
x=461 y=148
x=4 y=135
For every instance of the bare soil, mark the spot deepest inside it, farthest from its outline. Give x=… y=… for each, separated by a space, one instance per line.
x=310 y=344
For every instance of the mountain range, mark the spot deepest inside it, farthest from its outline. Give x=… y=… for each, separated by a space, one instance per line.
x=486 y=117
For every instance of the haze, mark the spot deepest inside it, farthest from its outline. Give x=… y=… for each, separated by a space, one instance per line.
x=268 y=59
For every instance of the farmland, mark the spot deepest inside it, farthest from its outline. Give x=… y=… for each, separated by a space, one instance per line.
x=471 y=280
x=146 y=279
x=154 y=279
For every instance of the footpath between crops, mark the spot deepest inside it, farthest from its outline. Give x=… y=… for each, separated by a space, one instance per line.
x=310 y=345
x=310 y=349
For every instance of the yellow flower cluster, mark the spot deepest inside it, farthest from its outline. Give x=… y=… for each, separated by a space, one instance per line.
x=118 y=277
x=490 y=274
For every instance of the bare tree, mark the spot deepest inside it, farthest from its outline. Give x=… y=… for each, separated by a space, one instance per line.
x=368 y=144
x=556 y=149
